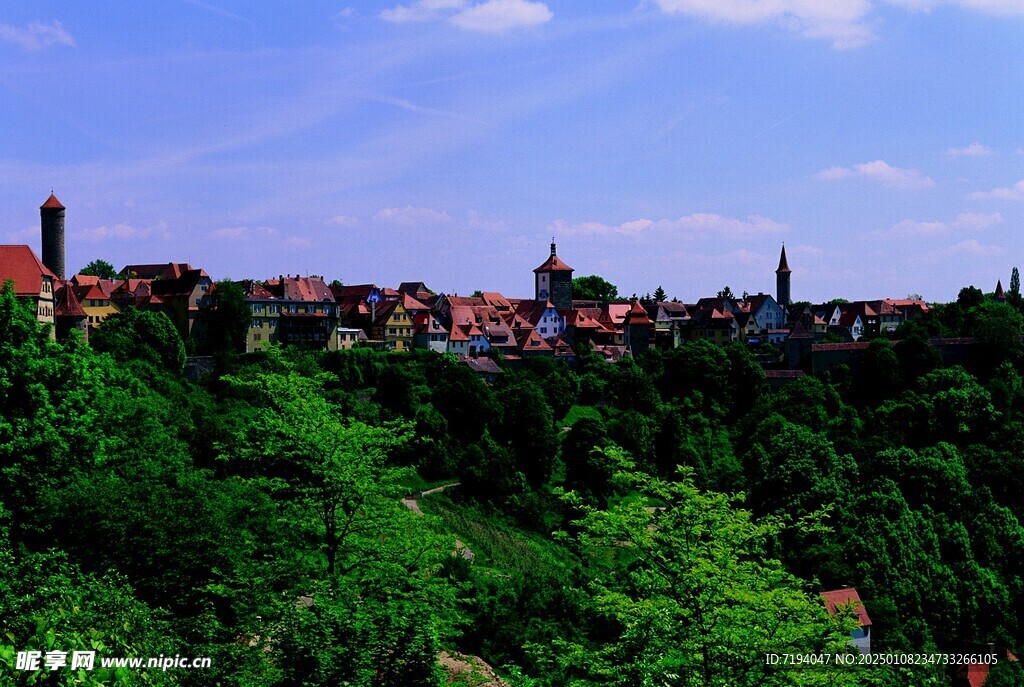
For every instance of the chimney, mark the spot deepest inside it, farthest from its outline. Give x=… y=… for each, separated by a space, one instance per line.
x=51 y=216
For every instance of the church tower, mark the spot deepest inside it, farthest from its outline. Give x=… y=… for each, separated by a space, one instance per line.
x=553 y=281
x=782 y=275
x=51 y=216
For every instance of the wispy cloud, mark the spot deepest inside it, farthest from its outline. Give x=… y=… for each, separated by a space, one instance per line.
x=492 y=16
x=298 y=242
x=1015 y=192
x=970 y=247
x=995 y=7
x=695 y=224
x=498 y=16
x=36 y=35
x=411 y=217
x=242 y=233
x=881 y=171
x=974 y=150
x=216 y=10
x=422 y=10
x=844 y=22
x=965 y=221
x=343 y=221
x=122 y=231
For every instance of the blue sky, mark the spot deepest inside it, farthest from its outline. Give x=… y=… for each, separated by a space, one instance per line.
x=671 y=142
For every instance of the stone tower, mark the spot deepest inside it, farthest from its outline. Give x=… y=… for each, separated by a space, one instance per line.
x=782 y=275
x=51 y=215
x=553 y=281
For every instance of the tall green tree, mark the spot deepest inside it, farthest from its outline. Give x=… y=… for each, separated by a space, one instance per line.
x=593 y=287
x=227 y=321
x=690 y=597
x=99 y=268
x=134 y=334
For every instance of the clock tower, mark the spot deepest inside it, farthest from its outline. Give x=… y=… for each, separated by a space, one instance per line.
x=553 y=281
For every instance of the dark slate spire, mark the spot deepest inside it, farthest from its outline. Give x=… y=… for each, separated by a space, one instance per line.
x=783 y=263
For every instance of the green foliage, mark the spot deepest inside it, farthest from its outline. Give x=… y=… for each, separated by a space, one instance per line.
x=99 y=268
x=228 y=319
x=134 y=334
x=689 y=597
x=594 y=288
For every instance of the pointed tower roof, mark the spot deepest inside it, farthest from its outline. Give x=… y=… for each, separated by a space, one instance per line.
x=51 y=204
x=554 y=263
x=637 y=315
x=783 y=263
x=67 y=304
x=1000 y=295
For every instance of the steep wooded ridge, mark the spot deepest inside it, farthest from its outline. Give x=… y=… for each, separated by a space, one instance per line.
x=663 y=521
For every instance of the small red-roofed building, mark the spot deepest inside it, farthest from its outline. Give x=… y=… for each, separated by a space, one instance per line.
x=847 y=600
x=637 y=330
x=33 y=281
x=430 y=333
x=458 y=340
x=982 y=658
x=69 y=315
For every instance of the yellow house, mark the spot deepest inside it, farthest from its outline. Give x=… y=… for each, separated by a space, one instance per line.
x=393 y=325
x=96 y=303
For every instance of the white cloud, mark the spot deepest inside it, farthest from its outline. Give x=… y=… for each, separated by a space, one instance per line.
x=491 y=16
x=120 y=231
x=844 y=22
x=997 y=7
x=228 y=233
x=421 y=10
x=974 y=150
x=1015 y=192
x=498 y=16
x=411 y=217
x=343 y=221
x=969 y=247
x=36 y=35
x=298 y=242
x=881 y=171
x=695 y=224
x=242 y=233
x=965 y=221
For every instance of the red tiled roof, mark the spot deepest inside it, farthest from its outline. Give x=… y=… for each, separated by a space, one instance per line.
x=67 y=304
x=20 y=264
x=51 y=204
x=847 y=596
x=783 y=374
x=637 y=315
x=554 y=264
x=853 y=346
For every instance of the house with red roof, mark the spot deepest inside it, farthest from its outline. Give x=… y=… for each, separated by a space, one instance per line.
x=847 y=600
x=33 y=281
x=430 y=333
x=69 y=315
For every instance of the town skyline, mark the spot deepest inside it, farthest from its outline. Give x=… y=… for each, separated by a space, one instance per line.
x=449 y=141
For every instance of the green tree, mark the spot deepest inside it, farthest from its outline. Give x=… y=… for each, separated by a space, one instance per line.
x=228 y=318
x=726 y=292
x=99 y=268
x=1013 y=297
x=594 y=288
x=688 y=595
x=134 y=334
x=659 y=295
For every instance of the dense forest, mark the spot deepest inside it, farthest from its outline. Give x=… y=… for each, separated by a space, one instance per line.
x=655 y=522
